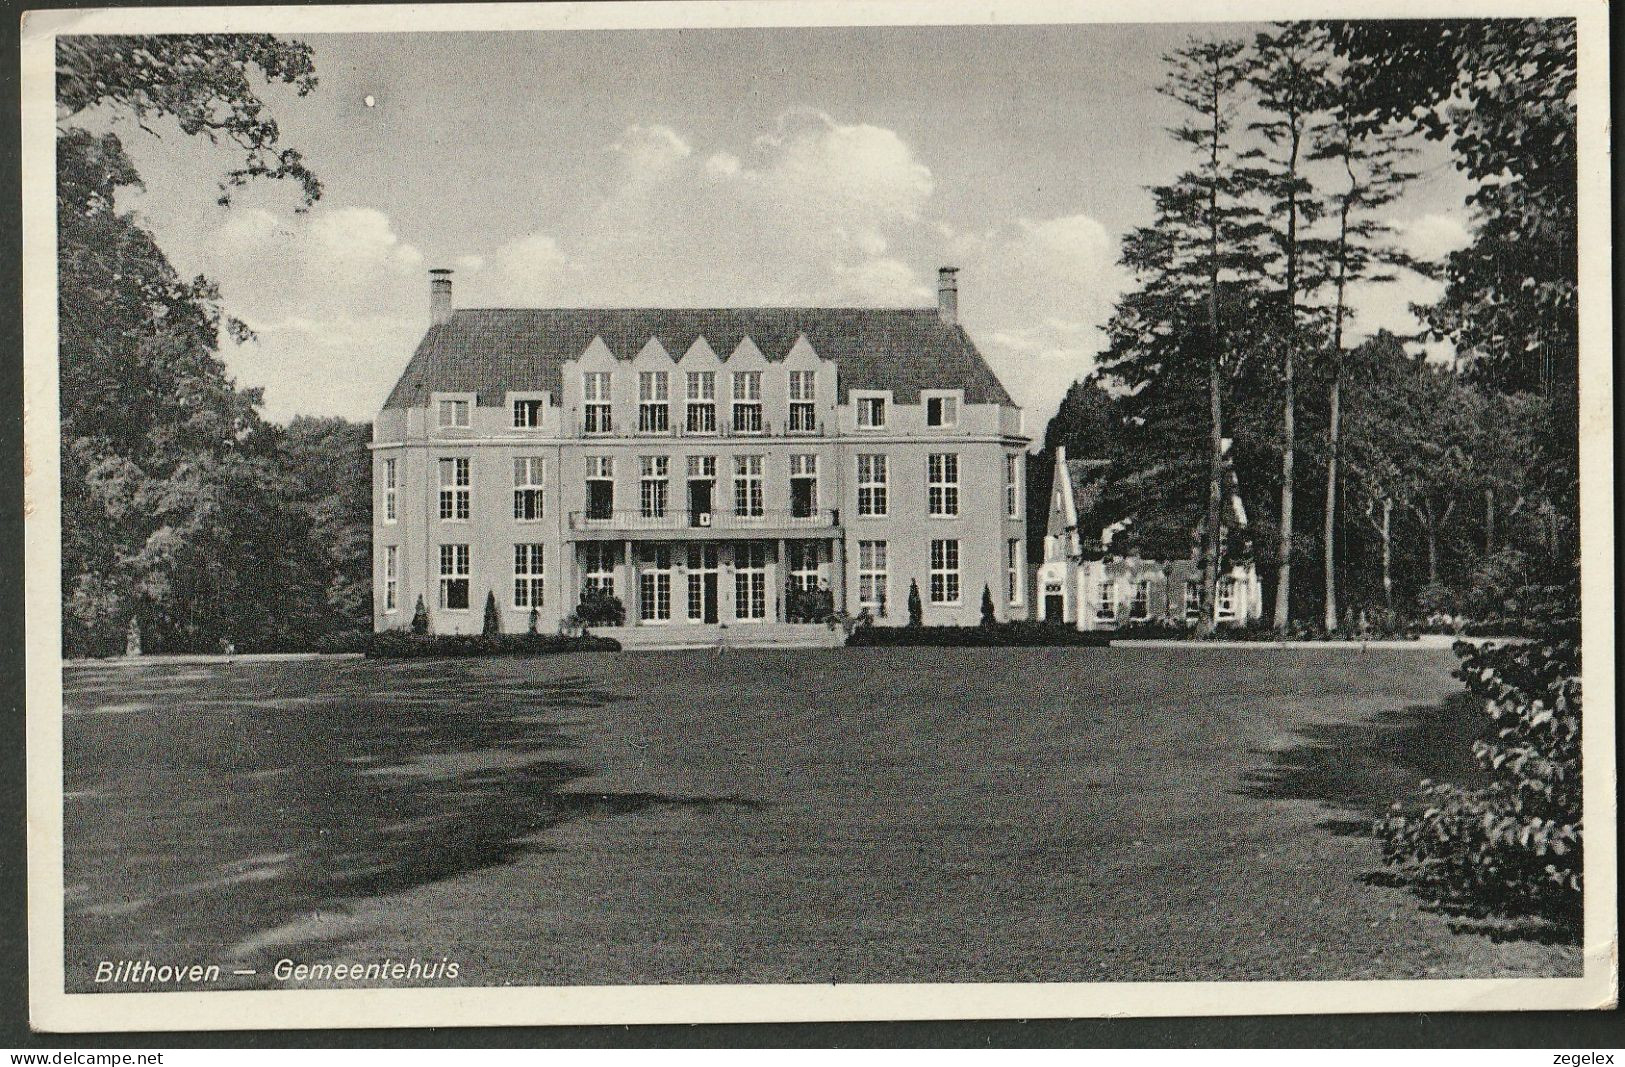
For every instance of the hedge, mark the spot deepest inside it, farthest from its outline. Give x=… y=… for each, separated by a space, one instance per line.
x=399 y=644
x=999 y=635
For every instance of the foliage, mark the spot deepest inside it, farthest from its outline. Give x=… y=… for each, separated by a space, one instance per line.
x=1019 y=634
x=988 y=617
x=420 y=619
x=1502 y=92
x=916 y=610
x=599 y=607
x=1514 y=847
x=397 y=644
x=492 y=626
x=199 y=81
x=185 y=516
x=808 y=605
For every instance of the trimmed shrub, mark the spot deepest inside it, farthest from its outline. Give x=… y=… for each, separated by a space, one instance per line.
x=988 y=618
x=1512 y=848
x=493 y=618
x=398 y=644
x=598 y=608
x=998 y=635
x=808 y=605
x=420 y=618
x=916 y=610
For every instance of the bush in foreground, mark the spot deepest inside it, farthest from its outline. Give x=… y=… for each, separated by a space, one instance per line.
x=1512 y=848
x=998 y=635
x=398 y=644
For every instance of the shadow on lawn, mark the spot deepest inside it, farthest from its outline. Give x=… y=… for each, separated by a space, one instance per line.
x=203 y=818
x=1363 y=767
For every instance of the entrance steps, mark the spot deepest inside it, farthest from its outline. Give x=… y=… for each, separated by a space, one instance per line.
x=733 y=635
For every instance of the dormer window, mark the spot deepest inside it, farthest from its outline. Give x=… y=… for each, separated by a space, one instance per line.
x=595 y=386
x=803 y=394
x=871 y=411
x=454 y=414
x=701 y=416
x=527 y=414
x=747 y=409
x=941 y=410
x=654 y=395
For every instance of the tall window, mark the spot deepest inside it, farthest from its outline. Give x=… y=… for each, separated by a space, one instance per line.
x=750 y=581
x=527 y=576
x=945 y=572
x=941 y=411
x=653 y=488
x=654 y=584
x=529 y=476
x=872 y=582
x=803 y=486
x=1193 y=601
x=600 y=487
x=598 y=559
x=455 y=489
x=453 y=414
x=595 y=386
x=702 y=583
x=392 y=577
x=454 y=577
x=391 y=489
x=871 y=412
x=872 y=485
x=1106 y=602
x=653 y=402
x=803 y=413
x=1139 y=606
x=805 y=559
x=702 y=401
x=1227 y=598
x=748 y=486
x=747 y=410
x=1012 y=486
x=1017 y=580
x=527 y=414
x=942 y=490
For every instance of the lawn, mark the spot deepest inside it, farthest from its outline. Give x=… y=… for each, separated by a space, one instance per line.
x=855 y=815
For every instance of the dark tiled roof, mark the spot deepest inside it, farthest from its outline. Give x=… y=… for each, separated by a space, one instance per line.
x=491 y=351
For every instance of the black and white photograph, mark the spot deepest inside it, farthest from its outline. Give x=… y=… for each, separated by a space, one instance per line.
x=695 y=512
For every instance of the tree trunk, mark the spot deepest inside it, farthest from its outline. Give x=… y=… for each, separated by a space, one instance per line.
x=1329 y=527
x=1283 y=584
x=1433 y=552
x=1388 y=555
x=1215 y=506
x=1489 y=522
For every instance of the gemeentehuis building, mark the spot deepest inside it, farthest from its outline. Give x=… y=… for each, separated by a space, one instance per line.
x=695 y=462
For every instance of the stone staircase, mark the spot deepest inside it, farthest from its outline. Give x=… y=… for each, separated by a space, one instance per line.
x=733 y=635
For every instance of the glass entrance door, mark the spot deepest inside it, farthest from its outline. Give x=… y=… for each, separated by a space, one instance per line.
x=750 y=582
x=702 y=583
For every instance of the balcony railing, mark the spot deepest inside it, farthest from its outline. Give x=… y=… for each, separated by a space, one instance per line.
x=636 y=519
x=724 y=429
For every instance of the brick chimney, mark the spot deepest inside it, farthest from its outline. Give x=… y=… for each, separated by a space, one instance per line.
x=439 y=296
x=948 y=295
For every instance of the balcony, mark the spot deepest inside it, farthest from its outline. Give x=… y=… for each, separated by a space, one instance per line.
x=770 y=430
x=685 y=525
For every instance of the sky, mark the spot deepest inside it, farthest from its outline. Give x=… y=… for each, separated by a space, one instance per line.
x=827 y=166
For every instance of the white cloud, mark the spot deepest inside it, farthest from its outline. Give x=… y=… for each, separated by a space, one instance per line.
x=1037 y=296
x=336 y=297
x=1433 y=236
x=813 y=211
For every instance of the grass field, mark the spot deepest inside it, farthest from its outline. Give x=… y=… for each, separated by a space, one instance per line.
x=858 y=815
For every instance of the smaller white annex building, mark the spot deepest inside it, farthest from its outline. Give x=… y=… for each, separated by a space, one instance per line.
x=1093 y=577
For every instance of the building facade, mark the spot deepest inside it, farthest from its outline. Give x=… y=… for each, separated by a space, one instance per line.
x=696 y=464
x=1095 y=578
